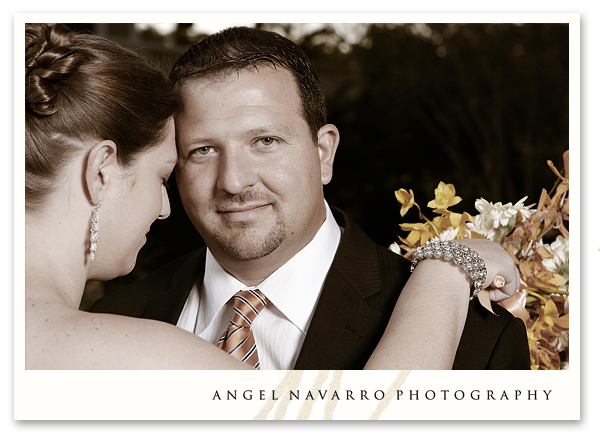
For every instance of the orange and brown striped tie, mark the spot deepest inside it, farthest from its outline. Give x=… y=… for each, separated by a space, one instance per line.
x=238 y=340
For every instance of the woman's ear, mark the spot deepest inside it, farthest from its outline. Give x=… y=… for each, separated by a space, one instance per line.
x=328 y=140
x=100 y=159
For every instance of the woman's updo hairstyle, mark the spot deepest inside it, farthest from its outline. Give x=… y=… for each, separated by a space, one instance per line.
x=79 y=89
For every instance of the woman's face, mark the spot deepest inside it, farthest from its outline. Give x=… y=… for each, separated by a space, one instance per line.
x=137 y=201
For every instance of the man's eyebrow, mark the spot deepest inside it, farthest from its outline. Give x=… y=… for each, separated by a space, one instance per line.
x=193 y=141
x=269 y=129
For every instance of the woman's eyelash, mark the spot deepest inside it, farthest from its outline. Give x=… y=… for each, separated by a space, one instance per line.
x=165 y=183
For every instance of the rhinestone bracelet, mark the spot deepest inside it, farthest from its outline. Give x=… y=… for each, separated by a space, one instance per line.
x=458 y=253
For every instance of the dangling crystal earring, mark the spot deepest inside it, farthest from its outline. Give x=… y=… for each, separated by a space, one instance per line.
x=94 y=230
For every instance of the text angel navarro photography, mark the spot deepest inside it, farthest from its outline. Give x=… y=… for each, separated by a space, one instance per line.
x=378 y=395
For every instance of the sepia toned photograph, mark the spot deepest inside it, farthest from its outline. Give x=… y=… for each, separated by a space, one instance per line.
x=301 y=202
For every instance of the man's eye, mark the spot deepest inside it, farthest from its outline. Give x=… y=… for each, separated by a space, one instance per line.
x=267 y=141
x=203 y=150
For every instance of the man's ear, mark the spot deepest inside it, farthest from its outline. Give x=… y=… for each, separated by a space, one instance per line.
x=328 y=140
x=100 y=158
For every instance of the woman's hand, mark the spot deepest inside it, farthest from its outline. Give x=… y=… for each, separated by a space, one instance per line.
x=497 y=262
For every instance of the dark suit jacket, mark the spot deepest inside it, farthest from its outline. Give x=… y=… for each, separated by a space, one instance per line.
x=355 y=305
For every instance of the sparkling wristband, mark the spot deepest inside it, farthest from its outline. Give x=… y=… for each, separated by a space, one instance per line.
x=458 y=253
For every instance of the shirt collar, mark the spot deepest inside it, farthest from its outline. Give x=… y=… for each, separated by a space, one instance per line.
x=294 y=288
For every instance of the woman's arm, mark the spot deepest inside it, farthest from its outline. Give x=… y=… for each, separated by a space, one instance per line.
x=429 y=317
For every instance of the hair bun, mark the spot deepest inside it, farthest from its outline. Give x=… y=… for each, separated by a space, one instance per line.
x=49 y=59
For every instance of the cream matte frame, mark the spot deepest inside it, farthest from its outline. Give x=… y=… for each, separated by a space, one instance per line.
x=222 y=395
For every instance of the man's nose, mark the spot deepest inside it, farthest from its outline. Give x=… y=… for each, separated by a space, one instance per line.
x=237 y=171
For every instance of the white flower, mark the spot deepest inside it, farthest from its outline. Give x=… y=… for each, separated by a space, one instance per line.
x=480 y=225
x=560 y=263
x=564 y=366
x=446 y=235
x=500 y=215
x=562 y=342
x=395 y=248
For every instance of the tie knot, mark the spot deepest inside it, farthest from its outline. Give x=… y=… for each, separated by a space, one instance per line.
x=246 y=306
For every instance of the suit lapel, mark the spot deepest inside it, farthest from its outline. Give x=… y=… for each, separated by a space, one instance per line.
x=168 y=307
x=343 y=327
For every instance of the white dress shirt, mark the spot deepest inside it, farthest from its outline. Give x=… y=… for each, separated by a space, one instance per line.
x=293 y=289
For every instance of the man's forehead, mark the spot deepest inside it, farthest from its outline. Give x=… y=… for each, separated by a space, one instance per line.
x=240 y=93
x=216 y=82
x=220 y=80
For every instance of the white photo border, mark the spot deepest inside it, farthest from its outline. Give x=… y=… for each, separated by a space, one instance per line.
x=202 y=395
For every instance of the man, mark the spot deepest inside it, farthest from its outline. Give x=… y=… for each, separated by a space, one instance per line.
x=254 y=153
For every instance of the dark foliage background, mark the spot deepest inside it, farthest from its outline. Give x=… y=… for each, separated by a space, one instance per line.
x=482 y=106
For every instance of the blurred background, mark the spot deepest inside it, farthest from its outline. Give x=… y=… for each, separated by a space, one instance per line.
x=481 y=106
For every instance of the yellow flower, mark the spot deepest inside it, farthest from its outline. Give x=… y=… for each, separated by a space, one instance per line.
x=445 y=196
x=406 y=199
x=419 y=233
x=543 y=332
x=454 y=221
x=538 y=276
x=543 y=356
x=552 y=325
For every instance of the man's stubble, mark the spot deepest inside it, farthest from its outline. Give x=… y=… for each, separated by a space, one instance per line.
x=246 y=245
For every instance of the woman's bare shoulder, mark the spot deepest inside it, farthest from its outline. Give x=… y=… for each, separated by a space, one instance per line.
x=62 y=338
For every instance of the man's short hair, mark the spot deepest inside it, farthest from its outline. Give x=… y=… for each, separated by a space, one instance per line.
x=238 y=48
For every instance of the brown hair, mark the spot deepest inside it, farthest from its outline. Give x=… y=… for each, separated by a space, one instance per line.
x=83 y=88
x=238 y=48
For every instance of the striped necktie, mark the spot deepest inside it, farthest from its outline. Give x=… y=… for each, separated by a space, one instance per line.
x=238 y=340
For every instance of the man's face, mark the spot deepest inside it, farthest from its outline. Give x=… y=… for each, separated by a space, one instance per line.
x=249 y=173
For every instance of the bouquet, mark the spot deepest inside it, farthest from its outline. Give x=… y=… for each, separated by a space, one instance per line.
x=536 y=237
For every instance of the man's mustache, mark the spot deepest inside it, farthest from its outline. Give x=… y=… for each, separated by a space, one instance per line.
x=248 y=197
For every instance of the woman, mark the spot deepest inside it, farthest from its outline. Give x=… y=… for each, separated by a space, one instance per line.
x=100 y=144
x=81 y=90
